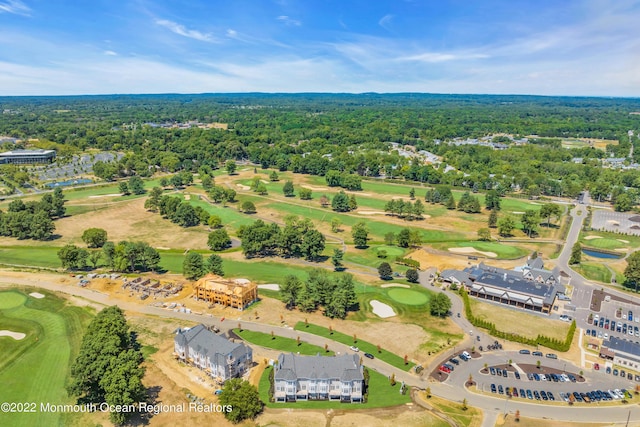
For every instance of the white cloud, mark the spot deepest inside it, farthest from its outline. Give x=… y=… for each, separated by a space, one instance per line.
x=14 y=6
x=289 y=21
x=434 y=57
x=110 y=53
x=183 y=31
x=385 y=21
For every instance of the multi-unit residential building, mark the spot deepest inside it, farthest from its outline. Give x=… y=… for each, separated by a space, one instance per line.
x=238 y=293
x=218 y=357
x=318 y=377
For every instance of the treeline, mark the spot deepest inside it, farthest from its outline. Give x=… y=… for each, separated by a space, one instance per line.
x=33 y=219
x=334 y=293
x=343 y=135
x=297 y=239
x=552 y=343
x=122 y=257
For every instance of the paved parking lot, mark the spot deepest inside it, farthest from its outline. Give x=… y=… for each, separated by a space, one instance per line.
x=526 y=364
x=615 y=221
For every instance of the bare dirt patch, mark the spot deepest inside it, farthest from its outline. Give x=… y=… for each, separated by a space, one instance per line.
x=395 y=285
x=592 y=237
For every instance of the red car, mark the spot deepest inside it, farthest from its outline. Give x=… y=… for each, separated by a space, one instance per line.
x=445 y=369
x=596 y=366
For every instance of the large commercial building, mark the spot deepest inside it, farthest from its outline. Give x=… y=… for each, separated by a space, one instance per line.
x=21 y=157
x=622 y=352
x=530 y=287
x=238 y=293
x=217 y=356
x=339 y=378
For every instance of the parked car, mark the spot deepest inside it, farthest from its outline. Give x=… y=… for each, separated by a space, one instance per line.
x=529 y=394
x=493 y=388
x=525 y=351
x=572 y=378
x=370 y=356
x=615 y=372
x=543 y=394
x=536 y=394
x=596 y=366
x=550 y=396
x=608 y=370
x=554 y=356
x=517 y=374
x=500 y=389
x=454 y=361
x=537 y=353
x=354 y=348
x=630 y=316
x=492 y=370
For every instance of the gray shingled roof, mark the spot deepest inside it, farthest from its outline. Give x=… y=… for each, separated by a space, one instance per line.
x=292 y=367
x=623 y=346
x=512 y=282
x=208 y=343
x=535 y=263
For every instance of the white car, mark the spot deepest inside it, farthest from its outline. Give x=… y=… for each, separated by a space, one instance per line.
x=606 y=336
x=354 y=348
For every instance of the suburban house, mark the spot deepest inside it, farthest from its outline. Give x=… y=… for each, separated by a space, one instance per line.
x=218 y=357
x=338 y=378
x=530 y=287
x=21 y=157
x=622 y=352
x=237 y=293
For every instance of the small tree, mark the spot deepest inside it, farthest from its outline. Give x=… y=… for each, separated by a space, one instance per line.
x=298 y=340
x=306 y=323
x=484 y=235
x=326 y=348
x=379 y=348
x=428 y=392
x=406 y=359
x=230 y=166
x=355 y=338
x=412 y=275
x=330 y=330
x=538 y=364
x=248 y=207
x=385 y=271
x=273 y=336
x=517 y=416
x=335 y=224
x=392 y=380
x=576 y=254
x=240 y=326
x=288 y=190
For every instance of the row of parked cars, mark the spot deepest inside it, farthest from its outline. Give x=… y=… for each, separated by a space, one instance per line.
x=524 y=394
x=596 y=395
x=503 y=372
x=552 y=377
x=448 y=367
x=612 y=325
x=539 y=354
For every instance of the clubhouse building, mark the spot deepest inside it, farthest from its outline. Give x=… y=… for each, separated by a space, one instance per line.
x=21 y=157
x=218 y=357
x=621 y=352
x=338 y=378
x=530 y=287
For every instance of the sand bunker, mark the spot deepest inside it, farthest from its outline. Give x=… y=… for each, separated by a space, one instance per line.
x=36 y=295
x=622 y=240
x=517 y=212
x=371 y=212
x=15 y=335
x=381 y=309
x=264 y=181
x=187 y=196
x=592 y=237
x=243 y=187
x=394 y=285
x=623 y=250
x=271 y=287
x=470 y=250
x=106 y=195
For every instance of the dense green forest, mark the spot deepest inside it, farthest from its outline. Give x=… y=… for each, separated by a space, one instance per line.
x=316 y=133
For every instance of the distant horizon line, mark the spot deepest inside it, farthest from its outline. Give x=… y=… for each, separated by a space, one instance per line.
x=322 y=93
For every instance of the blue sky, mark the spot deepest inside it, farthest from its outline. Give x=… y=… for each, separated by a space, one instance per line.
x=558 y=47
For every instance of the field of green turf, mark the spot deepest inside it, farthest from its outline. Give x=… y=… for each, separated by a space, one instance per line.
x=287 y=345
x=594 y=271
x=609 y=240
x=35 y=369
x=381 y=394
x=503 y=251
x=407 y=296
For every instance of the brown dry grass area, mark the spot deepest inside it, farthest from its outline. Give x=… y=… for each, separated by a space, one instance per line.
x=517 y=321
x=443 y=261
x=130 y=221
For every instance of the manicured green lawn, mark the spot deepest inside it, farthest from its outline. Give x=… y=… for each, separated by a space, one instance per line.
x=594 y=271
x=381 y=394
x=36 y=368
x=369 y=256
x=407 y=296
x=503 y=251
x=365 y=347
x=609 y=240
x=287 y=345
x=36 y=256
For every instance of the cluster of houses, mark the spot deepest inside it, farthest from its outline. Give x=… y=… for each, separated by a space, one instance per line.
x=296 y=377
x=529 y=287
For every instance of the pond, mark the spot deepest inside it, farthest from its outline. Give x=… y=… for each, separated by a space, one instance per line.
x=598 y=254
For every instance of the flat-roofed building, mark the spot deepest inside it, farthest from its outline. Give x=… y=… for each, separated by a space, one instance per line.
x=21 y=157
x=236 y=293
x=625 y=353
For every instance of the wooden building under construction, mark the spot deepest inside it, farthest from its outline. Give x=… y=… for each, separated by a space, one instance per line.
x=236 y=293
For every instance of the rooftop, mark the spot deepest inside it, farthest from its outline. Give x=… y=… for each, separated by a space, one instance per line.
x=292 y=367
x=623 y=346
x=26 y=152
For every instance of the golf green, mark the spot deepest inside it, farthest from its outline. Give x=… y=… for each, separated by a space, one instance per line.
x=407 y=296
x=11 y=300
